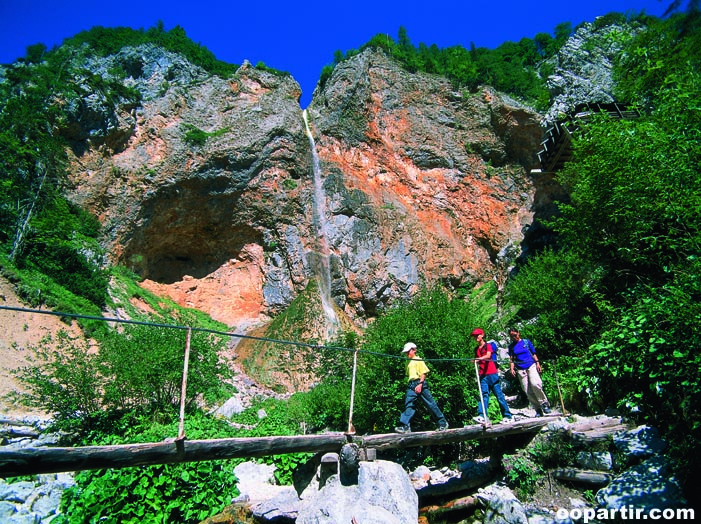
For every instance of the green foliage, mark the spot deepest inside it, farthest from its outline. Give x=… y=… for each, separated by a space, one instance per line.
x=511 y=67
x=281 y=419
x=553 y=450
x=289 y=184
x=667 y=49
x=104 y=41
x=137 y=367
x=63 y=246
x=64 y=381
x=560 y=288
x=648 y=360
x=521 y=473
x=198 y=137
x=187 y=493
x=325 y=406
x=619 y=296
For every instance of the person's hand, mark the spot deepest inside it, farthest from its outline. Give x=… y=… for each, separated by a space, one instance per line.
x=419 y=387
x=513 y=372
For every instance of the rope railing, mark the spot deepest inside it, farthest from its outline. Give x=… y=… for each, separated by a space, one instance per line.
x=181 y=432
x=95 y=457
x=226 y=333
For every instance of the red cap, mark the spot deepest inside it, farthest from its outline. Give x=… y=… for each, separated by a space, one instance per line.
x=476 y=332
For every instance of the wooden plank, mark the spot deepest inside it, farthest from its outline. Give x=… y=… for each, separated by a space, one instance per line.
x=30 y=461
x=582 y=476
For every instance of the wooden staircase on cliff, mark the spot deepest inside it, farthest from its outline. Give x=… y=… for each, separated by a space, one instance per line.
x=557 y=145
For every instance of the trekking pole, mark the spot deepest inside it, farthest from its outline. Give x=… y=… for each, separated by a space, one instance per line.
x=479 y=388
x=557 y=381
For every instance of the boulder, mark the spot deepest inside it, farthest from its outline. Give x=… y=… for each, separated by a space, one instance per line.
x=383 y=495
x=649 y=485
x=501 y=505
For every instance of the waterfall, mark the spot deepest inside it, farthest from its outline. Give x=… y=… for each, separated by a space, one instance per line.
x=322 y=266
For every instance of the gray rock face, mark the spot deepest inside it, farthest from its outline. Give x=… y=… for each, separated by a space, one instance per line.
x=383 y=495
x=583 y=68
x=598 y=461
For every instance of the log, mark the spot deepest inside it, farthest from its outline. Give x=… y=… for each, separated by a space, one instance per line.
x=583 y=476
x=15 y=432
x=31 y=461
x=456 y=485
x=453 y=505
x=588 y=425
x=596 y=435
x=434 y=438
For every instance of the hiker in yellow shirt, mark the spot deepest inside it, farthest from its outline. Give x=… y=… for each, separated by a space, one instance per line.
x=416 y=371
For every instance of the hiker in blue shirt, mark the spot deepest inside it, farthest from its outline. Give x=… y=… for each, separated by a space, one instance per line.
x=525 y=363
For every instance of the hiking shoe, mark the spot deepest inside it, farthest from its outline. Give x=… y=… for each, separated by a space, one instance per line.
x=442 y=428
x=546 y=408
x=480 y=420
x=507 y=420
x=402 y=429
x=538 y=414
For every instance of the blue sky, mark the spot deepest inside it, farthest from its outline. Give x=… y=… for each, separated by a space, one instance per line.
x=300 y=37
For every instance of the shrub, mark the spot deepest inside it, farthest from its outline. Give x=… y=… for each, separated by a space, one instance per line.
x=521 y=473
x=139 y=367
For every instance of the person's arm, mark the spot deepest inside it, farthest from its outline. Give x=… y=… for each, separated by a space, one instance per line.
x=530 y=347
x=420 y=386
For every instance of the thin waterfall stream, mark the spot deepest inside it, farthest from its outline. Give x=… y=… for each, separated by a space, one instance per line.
x=322 y=266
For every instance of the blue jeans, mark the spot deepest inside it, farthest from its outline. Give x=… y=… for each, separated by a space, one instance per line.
x=491 y=382
x=410 y=402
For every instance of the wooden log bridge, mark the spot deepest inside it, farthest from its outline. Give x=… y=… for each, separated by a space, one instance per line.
x=32 y=461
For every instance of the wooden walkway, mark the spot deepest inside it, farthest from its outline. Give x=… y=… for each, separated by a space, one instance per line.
x=557 y=145
x=31 y=461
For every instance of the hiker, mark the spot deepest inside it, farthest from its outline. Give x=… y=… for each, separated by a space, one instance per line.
x=489 y=380
x=525 y=363
x=416 y=371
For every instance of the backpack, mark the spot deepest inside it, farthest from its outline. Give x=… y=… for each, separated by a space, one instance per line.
x=493 y=345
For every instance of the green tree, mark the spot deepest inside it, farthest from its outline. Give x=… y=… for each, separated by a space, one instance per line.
x=137 y=368
x=625 y=274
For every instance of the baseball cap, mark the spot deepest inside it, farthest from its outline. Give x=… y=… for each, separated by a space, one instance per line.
x=476 y=332
x=408 y=347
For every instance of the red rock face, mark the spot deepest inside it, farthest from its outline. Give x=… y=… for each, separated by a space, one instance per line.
x=419 y=182
x=447 y=173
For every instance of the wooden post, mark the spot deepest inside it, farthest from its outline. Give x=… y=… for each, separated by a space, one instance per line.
x=557 y=381
x=479 y=388
x=351 y=429
x=183 y=391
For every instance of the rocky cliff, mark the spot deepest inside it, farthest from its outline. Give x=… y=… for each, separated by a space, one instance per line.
x=207 y=188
